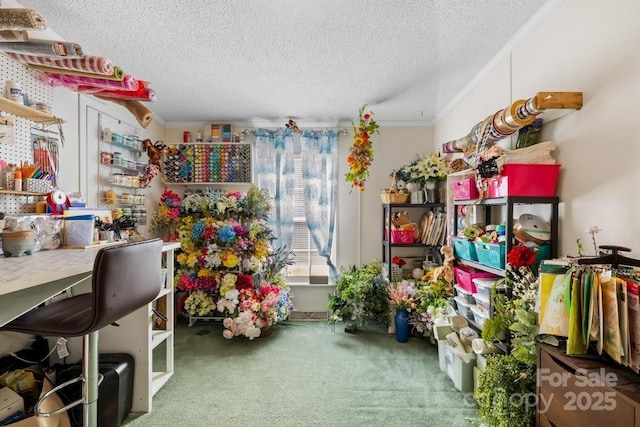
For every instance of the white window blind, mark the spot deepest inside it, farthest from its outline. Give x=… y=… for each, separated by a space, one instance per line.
x=308 y=265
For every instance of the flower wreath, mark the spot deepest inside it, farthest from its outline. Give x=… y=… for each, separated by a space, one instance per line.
x=361 y=155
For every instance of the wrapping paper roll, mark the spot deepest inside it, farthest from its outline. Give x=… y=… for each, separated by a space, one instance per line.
x=454 y=341
x=85 y=64
x=143 y=93
x=21 y=19
x=44 y=47
x=467 y=335
x=480 y=347
x=128 y=83
x=118 y=73
x=139 y=110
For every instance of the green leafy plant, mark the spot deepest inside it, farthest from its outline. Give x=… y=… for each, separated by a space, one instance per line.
x=506 y=393
x=360 y=296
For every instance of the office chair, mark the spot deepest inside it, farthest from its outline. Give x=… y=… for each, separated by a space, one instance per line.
x=124 y=279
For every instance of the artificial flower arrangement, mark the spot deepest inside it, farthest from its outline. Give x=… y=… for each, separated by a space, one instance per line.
x=168 y=215
x=225 y=243
x=424 y=169
x=403 y=295
x=361 y=154
x=512 y=373
x=433 y=300
x=360 y=295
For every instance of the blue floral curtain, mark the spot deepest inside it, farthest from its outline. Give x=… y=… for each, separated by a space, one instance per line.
x=319 y=152
x=274 y=171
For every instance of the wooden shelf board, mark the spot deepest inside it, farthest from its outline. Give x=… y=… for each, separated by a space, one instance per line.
x=22 y=193
x=29 y=113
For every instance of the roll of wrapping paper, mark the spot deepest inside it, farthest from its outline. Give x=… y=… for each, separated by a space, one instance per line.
x=137 y=108
x=86 y=64
x=44 y=47
x=128 y=83
x=144 y=92
x=117 y=74
x=21 y=19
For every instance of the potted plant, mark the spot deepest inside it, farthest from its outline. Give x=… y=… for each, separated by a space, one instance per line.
x=360 y=296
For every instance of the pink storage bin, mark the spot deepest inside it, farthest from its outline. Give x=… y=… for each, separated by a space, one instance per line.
x=465 y=189
x=403 y=237
x=464 y=277
x=525 y=181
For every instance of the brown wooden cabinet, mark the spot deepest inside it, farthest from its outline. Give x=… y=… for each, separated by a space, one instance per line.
x=584 y=391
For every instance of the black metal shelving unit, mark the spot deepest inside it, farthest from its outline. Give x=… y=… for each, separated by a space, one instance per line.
x=387 y=211
x=507 y=202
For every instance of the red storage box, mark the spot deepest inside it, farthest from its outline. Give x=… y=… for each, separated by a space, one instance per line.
x=465 y=189
x=402 y=237
x=525 y=181
x=465 y=275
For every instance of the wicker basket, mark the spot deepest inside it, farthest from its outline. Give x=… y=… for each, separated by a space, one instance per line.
x=392 y=196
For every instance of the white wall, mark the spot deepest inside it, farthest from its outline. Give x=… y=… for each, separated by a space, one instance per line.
x=588 y=46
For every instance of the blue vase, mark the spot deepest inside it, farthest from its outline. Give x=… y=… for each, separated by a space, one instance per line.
x=402 y=325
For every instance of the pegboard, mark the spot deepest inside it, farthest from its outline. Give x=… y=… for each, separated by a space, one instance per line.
x=21 y=149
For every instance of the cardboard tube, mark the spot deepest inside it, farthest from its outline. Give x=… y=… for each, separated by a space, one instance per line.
x=139 y=110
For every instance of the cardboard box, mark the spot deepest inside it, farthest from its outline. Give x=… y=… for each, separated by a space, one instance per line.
x=10 y=403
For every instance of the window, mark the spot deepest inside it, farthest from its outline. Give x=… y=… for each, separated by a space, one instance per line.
x=309 y=266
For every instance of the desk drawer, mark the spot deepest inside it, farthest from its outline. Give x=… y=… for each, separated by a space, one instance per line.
x=568 y=400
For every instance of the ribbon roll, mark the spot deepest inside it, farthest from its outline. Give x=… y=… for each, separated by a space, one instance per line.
x=511 y=117
x=500 y=126
x=58 y=199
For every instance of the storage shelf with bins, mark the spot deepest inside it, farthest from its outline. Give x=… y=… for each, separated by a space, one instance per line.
x=506 y=205
x=120 y=170
x=207 y=163
x=389 y=248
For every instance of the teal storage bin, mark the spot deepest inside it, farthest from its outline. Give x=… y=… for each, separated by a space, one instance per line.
x=544 y=252
x=491 y=254
x=464 y=249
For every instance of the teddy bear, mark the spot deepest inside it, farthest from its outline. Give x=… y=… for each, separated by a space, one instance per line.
x=446 y=269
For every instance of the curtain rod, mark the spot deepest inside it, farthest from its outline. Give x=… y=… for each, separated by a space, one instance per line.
x=342 y=132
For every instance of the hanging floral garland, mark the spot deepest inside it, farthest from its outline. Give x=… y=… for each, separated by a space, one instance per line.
x=361 y=154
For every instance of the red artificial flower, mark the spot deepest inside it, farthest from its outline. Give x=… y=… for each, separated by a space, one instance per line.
x=244 y=281
x=398 y=261
x=521 y=256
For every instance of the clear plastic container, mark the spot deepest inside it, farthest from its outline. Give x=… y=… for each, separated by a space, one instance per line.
x=464 y=308
x=463 y=293
x=484 y=286
x=483 y=304
x=478 y=316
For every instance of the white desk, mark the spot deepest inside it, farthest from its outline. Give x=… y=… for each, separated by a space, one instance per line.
x=29 y=280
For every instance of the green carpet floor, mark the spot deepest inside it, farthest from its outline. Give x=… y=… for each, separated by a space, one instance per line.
x=305 y=374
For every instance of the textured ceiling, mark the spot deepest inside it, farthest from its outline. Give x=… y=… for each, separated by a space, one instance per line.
x=309 y=60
